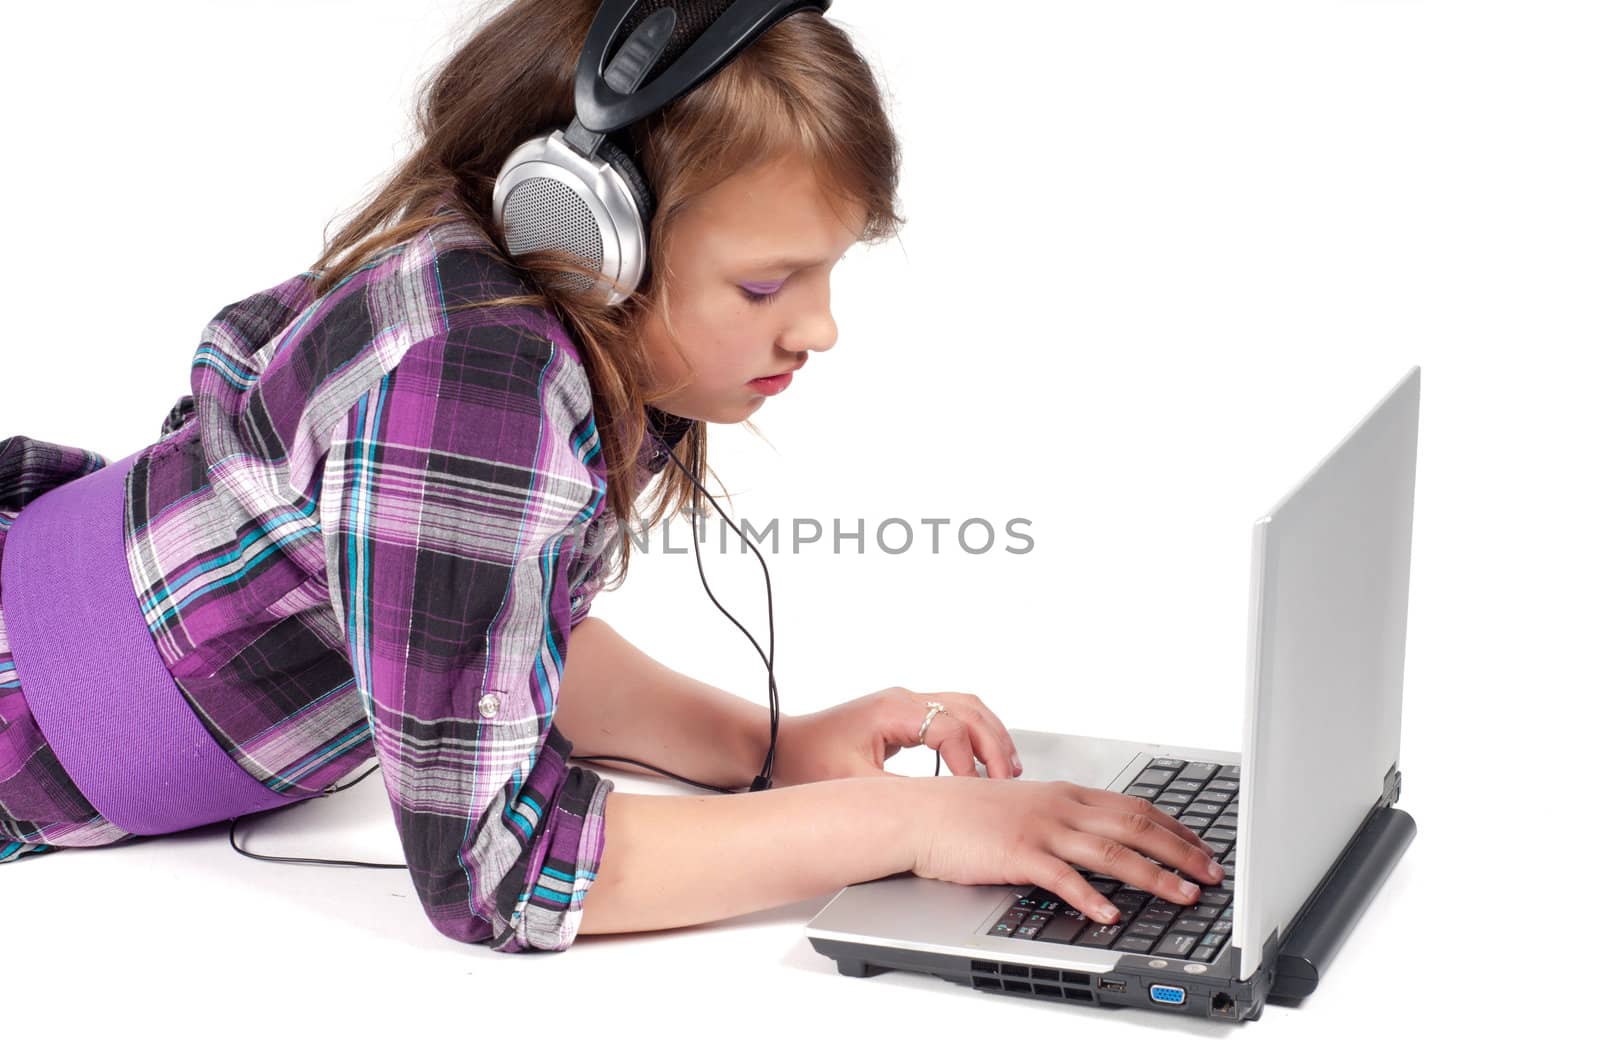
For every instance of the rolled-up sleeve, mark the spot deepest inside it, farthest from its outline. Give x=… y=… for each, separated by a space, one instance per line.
x=453 y=498
x=29 y=467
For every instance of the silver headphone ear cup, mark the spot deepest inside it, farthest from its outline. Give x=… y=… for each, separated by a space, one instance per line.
x=633 y=177
x=548 y=196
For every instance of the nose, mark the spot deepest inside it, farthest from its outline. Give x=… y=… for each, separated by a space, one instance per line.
x=813 y=330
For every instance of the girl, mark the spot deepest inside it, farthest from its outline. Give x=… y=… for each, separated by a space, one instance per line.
x=377 y=525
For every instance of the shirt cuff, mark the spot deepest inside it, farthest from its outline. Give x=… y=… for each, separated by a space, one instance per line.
x=567 y=858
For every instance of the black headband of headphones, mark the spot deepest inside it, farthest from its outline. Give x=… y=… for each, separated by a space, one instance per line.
x=692 y=38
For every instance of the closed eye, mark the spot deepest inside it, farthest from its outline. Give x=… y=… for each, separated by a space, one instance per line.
x=759 y=297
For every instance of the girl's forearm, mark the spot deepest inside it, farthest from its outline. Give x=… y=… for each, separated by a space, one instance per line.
x=680 y=861
x=615 y=699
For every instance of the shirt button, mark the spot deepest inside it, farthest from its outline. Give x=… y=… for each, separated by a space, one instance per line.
x=488 y=705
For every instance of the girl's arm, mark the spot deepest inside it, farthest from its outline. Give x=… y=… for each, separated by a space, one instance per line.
x=682 y=861
x=614 y=699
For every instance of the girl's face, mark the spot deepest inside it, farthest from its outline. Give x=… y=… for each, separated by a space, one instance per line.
x=748 y=275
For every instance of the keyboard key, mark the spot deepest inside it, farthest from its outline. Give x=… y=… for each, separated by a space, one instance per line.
x=1219 y=834
x=1128 y=907
x=1192 y=786
x=1204 y=808
x=1228 y=786
x=1171 y=808
x=1167 y=762
x=1037 y=919
x=1146 y=792
x=1226 y=820
x=1204 y=911
x=1064 y=927
x=1215 y=897
x=1135 y=943
x=1189 y=819
x=1204 y=953
x=1106 y=887
x=1027 y=931
x=1214 y=797
x=1100 y=935
x=1150 y=928
x=1191 y=926
x=1153 y=778
x=1228 y=771
x=1166 y=909
x=1198 y=769
x=1176 y=945
x=1223 y=926
x=1214 y=939
x=1002 y=929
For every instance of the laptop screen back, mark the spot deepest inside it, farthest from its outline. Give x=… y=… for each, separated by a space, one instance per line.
x=1330 y=579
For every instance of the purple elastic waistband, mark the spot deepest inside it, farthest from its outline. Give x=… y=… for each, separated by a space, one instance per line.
x=93 y=677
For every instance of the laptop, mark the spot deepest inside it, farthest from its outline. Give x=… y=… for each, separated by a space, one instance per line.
x=1303 y=816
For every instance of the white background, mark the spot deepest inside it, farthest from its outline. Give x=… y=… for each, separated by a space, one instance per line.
x=1153 y=270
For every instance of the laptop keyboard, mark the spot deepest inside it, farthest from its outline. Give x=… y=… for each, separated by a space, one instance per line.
x=1203 y=797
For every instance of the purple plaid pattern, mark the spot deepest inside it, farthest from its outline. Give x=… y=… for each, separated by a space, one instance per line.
x=371 y=530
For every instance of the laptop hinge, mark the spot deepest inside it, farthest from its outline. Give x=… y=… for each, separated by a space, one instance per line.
x=1391 y=785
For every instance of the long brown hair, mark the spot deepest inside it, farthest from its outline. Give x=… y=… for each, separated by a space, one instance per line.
x=800 y=89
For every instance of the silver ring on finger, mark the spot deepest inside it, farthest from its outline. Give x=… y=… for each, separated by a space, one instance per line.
x=934 y=709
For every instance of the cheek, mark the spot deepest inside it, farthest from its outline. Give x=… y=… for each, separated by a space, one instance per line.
x=719 y=346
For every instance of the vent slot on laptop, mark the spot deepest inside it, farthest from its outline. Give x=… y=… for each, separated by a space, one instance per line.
x=1029 y=981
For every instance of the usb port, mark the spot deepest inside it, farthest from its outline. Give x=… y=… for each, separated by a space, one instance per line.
x=1115 y=985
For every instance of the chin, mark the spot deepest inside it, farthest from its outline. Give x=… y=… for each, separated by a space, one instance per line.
x=734 y=413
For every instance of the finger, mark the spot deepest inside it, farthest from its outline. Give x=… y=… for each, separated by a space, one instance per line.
x=993 y=721
x=1107 y=798
x=1109 y=856
x=948 y=736
x=1065 y=882
x=996 y=755
x=1142 y=832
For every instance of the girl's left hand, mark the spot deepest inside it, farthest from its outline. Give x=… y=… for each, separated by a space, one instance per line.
x=855 y=738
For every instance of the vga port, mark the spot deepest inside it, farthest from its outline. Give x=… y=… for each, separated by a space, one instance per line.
x=1168 y=994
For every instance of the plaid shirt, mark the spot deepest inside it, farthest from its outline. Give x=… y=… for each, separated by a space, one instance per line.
x=371 y=529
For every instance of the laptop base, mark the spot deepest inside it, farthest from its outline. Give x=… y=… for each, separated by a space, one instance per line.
x=1297 y=966
x=1223 y=999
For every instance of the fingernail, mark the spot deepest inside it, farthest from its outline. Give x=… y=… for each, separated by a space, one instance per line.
x=1016 y=765
x=1109 y=912
x=1215 y=868
x=1190 y=890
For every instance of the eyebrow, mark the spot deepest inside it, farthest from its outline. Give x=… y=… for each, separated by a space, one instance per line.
x=782 y=263
x=785 y=263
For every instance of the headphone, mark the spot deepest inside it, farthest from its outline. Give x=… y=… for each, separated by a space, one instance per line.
x=578 y=191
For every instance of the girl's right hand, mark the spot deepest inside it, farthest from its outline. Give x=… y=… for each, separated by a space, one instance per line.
x=980 y=831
